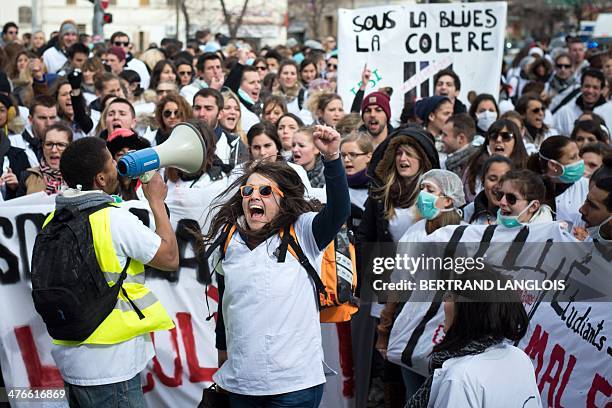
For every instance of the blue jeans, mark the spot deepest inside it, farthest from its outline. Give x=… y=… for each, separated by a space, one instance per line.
x=125 y=394
x=308 y=398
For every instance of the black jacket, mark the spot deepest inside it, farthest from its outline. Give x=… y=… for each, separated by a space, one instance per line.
x=18 y=161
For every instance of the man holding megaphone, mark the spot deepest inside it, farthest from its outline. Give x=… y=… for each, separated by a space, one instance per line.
x=88 y=279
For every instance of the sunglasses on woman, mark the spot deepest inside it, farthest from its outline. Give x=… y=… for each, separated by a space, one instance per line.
x=510 y=198
x=506 y=136
x=168 y=113
x=537 y=110
x=265 y=190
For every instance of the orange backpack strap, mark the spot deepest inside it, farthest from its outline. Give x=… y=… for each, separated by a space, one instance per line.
x=221 y=242
x=289 y=243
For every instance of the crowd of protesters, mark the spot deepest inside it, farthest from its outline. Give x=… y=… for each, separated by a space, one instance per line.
x=537 y=152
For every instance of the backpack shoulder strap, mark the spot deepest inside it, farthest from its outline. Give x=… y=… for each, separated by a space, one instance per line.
x=565 y=100
x=222 y=241
x=289 y=241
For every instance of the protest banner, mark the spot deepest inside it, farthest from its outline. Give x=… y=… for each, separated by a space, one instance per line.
x=406 y=45
x=567 y=341
x=186 y=357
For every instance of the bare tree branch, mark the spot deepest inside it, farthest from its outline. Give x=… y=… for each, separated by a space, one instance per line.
x=186 y=17
x=232 y=28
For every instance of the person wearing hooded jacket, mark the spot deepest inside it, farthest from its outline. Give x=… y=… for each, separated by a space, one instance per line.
x=395 y=169
x=55 y=57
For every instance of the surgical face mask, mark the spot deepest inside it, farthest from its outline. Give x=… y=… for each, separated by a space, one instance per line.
x=572 y=172
x=426 y=204
x=511 y=221
x=595 y=231
x=486 y=119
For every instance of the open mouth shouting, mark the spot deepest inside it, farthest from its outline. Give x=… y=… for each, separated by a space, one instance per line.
x=257 y=211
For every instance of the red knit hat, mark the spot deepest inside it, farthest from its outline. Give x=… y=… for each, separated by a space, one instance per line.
x=379 y=99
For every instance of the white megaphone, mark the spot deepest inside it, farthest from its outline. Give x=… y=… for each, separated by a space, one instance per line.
x=185 y=149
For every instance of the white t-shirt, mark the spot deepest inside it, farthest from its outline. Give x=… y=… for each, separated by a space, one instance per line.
x=403 y=219
x=140 y=67
x=500 y=377
x=271 y=317
x=95 y=364
x=248 y=118
x=20 y=142
x=54 y=60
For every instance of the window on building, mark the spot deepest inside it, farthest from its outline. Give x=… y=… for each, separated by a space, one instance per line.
x=329 y=24
x=171 y=3
x=144 y=2
x=70 y=2
x=82 y=28
x=25 y=15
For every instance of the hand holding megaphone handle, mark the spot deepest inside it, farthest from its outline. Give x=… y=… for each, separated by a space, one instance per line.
x=146 y=177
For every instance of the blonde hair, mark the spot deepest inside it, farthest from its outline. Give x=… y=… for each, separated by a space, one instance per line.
x=363 y=140
x=396 y=192
x=228 y=94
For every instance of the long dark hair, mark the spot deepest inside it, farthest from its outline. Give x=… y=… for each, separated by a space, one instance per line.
x=480 y=314
x=518 y=156
x=229 y=211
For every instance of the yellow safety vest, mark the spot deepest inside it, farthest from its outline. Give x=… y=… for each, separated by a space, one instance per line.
x=122 y=323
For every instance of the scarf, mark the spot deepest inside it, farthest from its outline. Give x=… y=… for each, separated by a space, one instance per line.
x=561 y=85
x=315 y=175
x=82 y=200
x=421 y=398
x=52 y=178
x=358 y=180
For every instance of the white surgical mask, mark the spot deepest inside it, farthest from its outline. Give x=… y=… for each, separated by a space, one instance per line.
x=486 y=119
x=595 y=231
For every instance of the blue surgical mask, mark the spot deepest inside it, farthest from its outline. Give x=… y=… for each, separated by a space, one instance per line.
x=511 y=221
x=595 y=231
x=426 y=204
x=572 y=172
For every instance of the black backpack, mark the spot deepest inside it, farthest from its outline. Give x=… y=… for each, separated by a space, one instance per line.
x=68 y=286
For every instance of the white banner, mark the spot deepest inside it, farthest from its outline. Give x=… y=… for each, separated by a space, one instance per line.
x=186 y=357
x=406 y=45
x=568 y=342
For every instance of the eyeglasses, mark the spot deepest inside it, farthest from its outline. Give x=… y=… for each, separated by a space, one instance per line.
x=169 y=113
x=510 y=198
x=162 y=91
x=261 y=68
x=120 y=43
x=59 y=145
x=185 y=73
x=506 y=136
x=334 y=66
x=351 y=155
x=564 y=66
x=537 y=110
x=264 y=190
